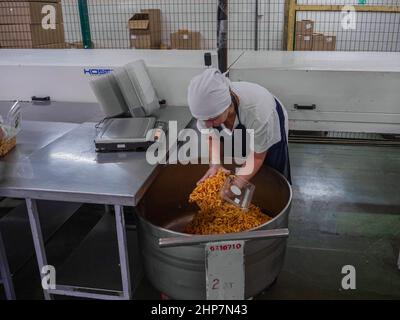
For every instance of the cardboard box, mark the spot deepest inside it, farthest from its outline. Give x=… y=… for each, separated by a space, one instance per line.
x=165 y=46
x=318 y=43
x=61 y=45
x=26 y=12
x=305 y=27
x=185 y=39
x=155 y=26
x=29 y=35
x=330 y=43
x=303 y=42
x=323 y=42
x=145 y=29
x=140 y=41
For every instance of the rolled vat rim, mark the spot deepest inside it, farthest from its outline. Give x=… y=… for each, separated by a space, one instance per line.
x=252 y=229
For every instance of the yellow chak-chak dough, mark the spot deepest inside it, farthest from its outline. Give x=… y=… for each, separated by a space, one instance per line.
x=6 y=145
x=217 y=216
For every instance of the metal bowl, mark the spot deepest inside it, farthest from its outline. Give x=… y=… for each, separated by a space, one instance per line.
x=179 y=272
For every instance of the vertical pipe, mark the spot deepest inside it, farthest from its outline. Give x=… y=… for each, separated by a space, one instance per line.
x=222 y=35
x=291 y=25
x=85 y=26
x=256 y=27
x=286 y=25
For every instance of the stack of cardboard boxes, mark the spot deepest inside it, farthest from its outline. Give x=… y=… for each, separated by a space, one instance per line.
x=307 y=39
x=29 y=24
x=145 y=33
x=145 y=29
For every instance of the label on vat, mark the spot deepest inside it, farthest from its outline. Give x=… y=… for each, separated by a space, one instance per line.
x=225 y=270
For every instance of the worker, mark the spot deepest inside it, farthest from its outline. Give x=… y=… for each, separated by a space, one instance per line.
x=218 y=103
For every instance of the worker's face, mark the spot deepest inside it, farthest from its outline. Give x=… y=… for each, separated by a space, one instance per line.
x=217 y=121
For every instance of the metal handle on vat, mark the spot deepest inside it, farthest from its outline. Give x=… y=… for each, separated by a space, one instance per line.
x=199 y=239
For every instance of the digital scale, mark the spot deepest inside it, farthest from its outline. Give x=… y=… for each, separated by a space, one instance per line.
x=129 y=134
x=129 y=101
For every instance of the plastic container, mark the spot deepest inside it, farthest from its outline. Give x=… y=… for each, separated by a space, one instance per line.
x=238 y=192
x=9 y=129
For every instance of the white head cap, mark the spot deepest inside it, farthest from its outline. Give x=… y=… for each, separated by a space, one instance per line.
x=208 y=94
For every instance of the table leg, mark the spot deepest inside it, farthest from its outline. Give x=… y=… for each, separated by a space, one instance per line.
x=107 y=208
x=37 y=238
x=123 y=251
x=398 y=261
x=5 y=274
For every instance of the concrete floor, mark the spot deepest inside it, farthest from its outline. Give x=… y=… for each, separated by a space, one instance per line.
x=346 y=211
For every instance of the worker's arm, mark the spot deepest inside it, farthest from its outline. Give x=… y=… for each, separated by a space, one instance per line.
x=253 y=163
x=214 y=156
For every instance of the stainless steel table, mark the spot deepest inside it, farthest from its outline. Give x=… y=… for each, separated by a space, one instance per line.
x=33 y=136
x=56 y=111
x=69 y=169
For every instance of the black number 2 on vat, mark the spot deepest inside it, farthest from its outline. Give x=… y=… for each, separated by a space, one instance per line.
x=215 y=285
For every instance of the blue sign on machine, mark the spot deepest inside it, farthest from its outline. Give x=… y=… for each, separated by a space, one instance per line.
x=96 y=71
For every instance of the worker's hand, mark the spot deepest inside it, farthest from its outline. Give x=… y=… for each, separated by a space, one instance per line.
x=212 y=172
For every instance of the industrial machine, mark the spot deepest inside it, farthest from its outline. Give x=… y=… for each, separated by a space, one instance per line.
x=322 y=91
